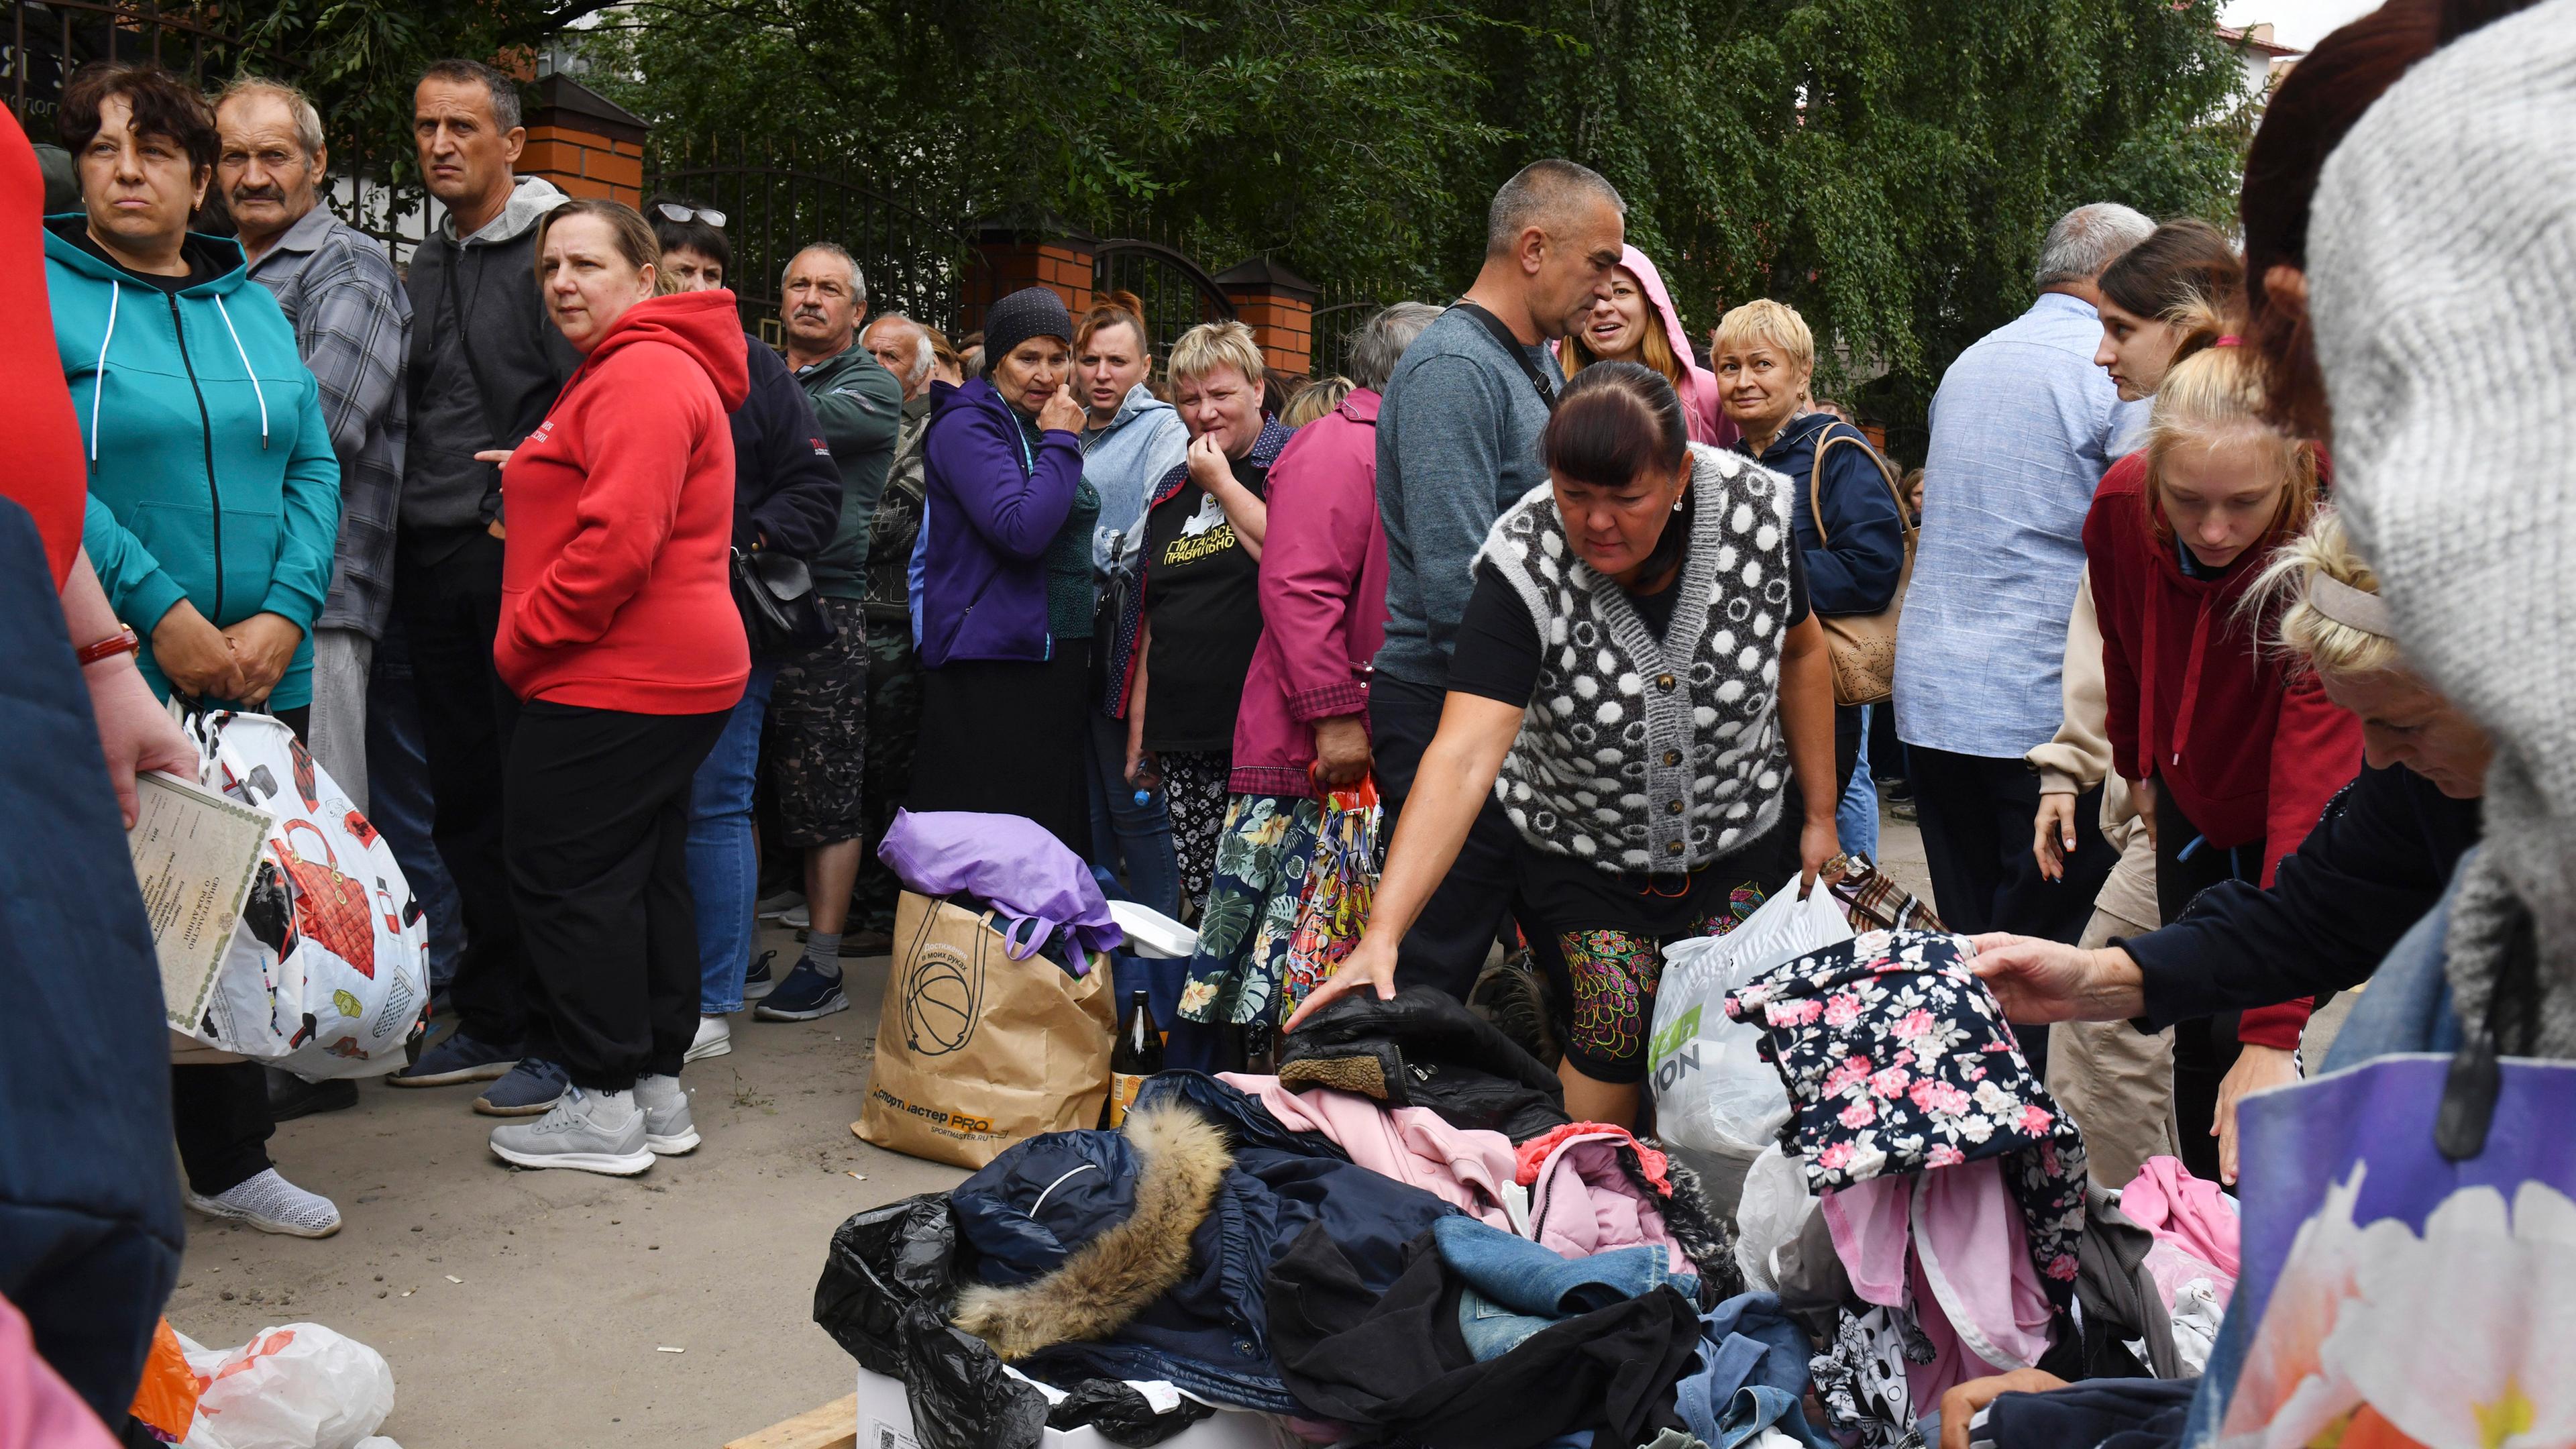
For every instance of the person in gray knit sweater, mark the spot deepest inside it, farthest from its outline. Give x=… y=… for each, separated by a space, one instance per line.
x=1640 y=684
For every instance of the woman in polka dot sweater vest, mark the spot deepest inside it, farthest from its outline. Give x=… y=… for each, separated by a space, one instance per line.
x=1639 y=684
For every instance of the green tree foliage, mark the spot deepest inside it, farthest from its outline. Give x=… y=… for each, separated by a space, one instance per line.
x=1888 y=166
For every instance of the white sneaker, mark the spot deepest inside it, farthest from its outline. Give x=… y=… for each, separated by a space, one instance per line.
x=715 y=1038
x=667 y=1129
x=584 y=1130
x=271 y=1204
x=770 y=908
x=796 y=917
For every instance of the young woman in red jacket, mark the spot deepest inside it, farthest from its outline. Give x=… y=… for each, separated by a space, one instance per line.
x=619 y=636
x=2232 y=755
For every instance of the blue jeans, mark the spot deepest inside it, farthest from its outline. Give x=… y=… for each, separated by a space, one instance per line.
x=1121 y=828
x=1856 y=817
x=399 y=801
x=1516 y=1287
x=724 y=865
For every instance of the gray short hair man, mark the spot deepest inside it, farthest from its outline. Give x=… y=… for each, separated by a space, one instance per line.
x=902 y=347
x=1379 y=343
x=2023 y=427
x=1457 y=443
x=352 y=324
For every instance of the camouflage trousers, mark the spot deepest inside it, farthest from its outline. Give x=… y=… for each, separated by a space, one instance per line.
x=894 y=723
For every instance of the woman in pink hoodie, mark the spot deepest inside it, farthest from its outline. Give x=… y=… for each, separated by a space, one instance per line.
x=1637 y=323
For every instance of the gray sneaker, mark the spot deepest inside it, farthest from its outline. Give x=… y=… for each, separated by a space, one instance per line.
x=667 y=1129
x=585 y=1131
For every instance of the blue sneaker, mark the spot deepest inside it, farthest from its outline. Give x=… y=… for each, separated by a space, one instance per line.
x=757 y=982
x=459 y=1058
x=803 y=996
x=529 y=1089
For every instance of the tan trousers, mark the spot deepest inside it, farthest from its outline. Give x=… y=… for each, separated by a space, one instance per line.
x=2114 y=1080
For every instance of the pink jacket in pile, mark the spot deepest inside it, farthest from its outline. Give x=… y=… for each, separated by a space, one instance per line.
x=1323 y=599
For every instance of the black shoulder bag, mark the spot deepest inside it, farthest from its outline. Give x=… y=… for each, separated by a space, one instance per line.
x=781 y=613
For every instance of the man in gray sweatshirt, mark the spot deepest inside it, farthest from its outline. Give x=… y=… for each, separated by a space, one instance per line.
x=1457 y=442
x=486 y=363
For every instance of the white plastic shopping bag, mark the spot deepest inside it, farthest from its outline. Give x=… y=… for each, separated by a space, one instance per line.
x=299 y=1386
x=329 y=966
x=1713 y=1090
x=1771 y=1213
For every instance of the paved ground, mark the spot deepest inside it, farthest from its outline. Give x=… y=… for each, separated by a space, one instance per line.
x=572 y=1284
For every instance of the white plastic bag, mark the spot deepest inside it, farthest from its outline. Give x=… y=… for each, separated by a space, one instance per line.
x=1772 y=1211
x=300 y=1386
x=329 y=967
x=1713 y=1090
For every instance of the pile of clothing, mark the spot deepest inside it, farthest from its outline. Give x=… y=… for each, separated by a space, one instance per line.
x=1403 y=1238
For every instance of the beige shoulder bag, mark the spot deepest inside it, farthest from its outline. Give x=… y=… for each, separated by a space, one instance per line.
x=1863 y=646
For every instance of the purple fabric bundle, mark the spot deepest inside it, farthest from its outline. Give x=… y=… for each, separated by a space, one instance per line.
x=1010 y=863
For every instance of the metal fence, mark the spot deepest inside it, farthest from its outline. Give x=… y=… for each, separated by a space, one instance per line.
x=51 y=39
x=777 y=200
x=1177 y=293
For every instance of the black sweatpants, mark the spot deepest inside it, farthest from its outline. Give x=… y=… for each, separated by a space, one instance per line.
x=219 y=1111
x=451 y=610
x=1449 y=940
x=596 y=826
x=2205 y=1048
x=1976 y=816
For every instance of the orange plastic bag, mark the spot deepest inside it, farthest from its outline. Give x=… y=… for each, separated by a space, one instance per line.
x=166 y=1401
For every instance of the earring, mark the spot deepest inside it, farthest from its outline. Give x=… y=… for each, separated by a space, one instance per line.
x=1677 y=500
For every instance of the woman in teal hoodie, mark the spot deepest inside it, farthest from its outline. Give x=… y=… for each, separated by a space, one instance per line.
x=214 y=496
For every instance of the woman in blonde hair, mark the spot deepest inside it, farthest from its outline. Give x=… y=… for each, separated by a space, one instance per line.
x=1193 y=618
x=2230 y=754
x=2369 y=870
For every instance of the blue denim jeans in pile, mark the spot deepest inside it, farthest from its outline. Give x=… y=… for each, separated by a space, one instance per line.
x=724 y=865
x=1516 y=1287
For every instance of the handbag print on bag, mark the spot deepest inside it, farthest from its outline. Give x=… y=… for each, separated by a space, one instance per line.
x=330 y=908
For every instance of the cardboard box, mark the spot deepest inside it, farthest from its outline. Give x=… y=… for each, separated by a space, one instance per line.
x=885 y=1422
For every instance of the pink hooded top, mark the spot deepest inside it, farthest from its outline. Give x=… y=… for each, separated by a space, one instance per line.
x=1708 y=422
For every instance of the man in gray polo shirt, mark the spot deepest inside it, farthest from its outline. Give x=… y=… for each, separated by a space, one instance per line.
x=1457 y=442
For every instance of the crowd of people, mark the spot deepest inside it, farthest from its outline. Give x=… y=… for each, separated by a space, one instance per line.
x=2192 y=622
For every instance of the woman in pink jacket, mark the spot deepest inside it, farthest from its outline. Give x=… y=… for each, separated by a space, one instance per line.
x=1637 y=323
x=1302 y=728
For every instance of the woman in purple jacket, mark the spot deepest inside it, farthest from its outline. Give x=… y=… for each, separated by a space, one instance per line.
x=1001 y=605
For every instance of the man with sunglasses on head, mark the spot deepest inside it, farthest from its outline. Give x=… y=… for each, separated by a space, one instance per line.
x=485 y=366
x=786 y=500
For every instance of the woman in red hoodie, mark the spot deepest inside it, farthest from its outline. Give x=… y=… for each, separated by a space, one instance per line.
x=2232 y=756
x=619 y=636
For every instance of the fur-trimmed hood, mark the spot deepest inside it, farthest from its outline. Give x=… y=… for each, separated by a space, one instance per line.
x=1142 y=1254
x=1102 y=1283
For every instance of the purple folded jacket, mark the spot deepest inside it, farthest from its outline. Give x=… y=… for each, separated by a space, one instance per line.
x=1010 y=862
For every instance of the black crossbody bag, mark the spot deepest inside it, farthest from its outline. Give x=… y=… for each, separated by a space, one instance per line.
x=1512 y=348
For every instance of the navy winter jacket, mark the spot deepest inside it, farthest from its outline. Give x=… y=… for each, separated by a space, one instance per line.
x=1040 y=1202
x=997 y=494
x=785 y=486
x=1855 y=569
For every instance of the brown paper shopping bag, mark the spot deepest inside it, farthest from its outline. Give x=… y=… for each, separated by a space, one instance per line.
x=976 y=1051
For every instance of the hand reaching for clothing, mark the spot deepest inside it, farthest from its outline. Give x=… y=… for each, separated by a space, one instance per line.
x=1370 y=964
x=195 y=656
x=2257 y=1068
x=263 y=646
x=1818 y=843
x=1960 y=1405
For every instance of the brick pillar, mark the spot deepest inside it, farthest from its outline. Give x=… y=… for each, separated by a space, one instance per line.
x=1051 y=254
x=1279 y=307
x=584 y=142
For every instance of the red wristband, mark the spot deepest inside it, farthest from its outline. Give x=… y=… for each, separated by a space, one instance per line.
x=120 y=642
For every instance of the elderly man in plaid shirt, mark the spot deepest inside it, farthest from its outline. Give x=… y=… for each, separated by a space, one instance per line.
x=353 y=326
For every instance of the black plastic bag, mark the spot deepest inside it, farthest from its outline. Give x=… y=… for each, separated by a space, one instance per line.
x=1121 y=1414
x=882 y=1262
x=960 y=1395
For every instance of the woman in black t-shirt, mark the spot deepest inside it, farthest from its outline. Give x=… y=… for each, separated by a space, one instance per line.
x=1195 y=614
x=1637 y=679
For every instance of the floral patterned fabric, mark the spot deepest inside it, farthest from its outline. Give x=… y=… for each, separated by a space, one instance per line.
x=1341 y=885
x=1897 y=1059
x=1262 y=856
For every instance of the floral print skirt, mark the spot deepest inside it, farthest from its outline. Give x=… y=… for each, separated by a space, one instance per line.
x=1261 y=859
